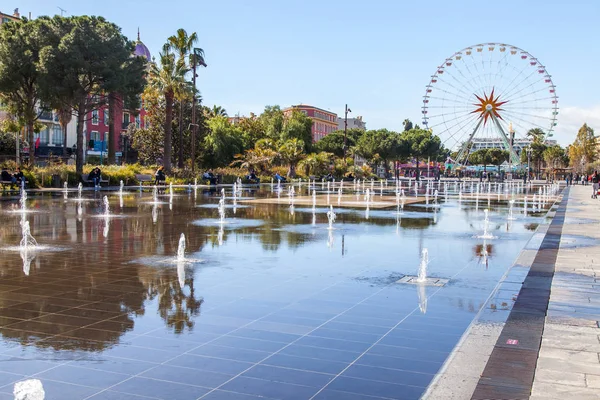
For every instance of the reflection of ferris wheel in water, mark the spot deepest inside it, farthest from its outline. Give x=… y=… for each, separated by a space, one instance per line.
x=486 y=92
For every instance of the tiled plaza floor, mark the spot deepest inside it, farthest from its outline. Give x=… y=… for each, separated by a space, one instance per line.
x=283 y=309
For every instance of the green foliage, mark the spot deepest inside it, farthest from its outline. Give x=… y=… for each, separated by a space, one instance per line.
x=8 y=145
x=149 y=141
x=84 y=59
x=316 y=164
x=556 y=157
x=291 y=152
x=297 y=126
x=420 y=144
x=20 y=45
x=222 y=142
x=272 y=121
x=488 y=156
x=334 y=142
x=583 y=150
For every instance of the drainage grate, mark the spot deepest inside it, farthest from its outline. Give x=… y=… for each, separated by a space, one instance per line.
x=413 y=280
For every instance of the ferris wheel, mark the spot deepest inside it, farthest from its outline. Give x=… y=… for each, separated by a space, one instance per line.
x=489 y=92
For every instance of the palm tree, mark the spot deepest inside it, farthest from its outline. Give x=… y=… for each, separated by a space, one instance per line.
x=218 y=111
x=292 y=152
x=169 y=81
x=183 y=44
x=65 y=115
x=536 y=134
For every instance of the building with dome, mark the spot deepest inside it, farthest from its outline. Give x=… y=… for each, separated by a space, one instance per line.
x=97 y=122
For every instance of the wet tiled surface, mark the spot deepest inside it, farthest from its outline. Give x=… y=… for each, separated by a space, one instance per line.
x=283 y=309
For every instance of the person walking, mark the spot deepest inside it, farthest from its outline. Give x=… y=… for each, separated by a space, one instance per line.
x=595 y=185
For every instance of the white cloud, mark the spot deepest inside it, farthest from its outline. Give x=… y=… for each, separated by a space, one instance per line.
x=570 y=119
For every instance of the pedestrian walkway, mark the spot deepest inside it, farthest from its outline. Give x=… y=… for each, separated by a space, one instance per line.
x=547 y=346
x=568 y=366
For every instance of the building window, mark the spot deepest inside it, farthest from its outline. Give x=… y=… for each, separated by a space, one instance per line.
x=57 y=135
x=137 y=121
x=44 y=135
x=95 y=117
x=95 y=136
x=125 y=120
x=106 y=117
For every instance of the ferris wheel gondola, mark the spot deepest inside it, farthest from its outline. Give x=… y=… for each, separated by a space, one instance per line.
x=478 y=91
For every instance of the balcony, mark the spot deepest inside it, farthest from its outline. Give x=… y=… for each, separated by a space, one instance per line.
x=46 y=115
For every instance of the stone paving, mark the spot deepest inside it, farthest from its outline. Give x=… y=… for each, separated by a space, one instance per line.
x=568 y=363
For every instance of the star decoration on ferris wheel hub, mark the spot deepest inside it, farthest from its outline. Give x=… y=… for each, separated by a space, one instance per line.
x=488 y=106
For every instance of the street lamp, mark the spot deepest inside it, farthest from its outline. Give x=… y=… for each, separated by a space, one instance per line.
x=347 y=110
x=197 y=59
x=528 y=149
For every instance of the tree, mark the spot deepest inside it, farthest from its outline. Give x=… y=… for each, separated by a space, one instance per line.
x=222 y=143
x=408 y=125
x=252 y=130
x=316 y=164
x=183 y=44
x=20 y=45
x=421 y=143
x=169 y=80
x=583 y=149
x=149 y=141
x=83 y=62
x=334 y=142
x=215 y=111
x=555 y=156
x=291 y=152
x=64 y=117
x=380 y=145
x=497 y=156
x=536 y=135
x=298 y=125
x=272 y=120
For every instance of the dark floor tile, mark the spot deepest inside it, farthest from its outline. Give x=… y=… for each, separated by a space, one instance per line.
x=328 y=394
x=270 y=389
x=113 y=364
x=7 y=378
x=160 y=389
x=442 y=345
x=223 y=395
x=17 y=365
x=375 y=388
x=112 y=395
x=388 y=375
x=346 y=335
x=187 y=376
x=249 y=344
x=307 y=364
x=320 y=353
x=327 y=343
x=194 y=336
x=61 y=390
x=408 y=353
x=210 y=364
x=374 y=360
x=141 y=353
x=358 y=328
x=230 y=353
x=286 y=375
x=162 y=344
x=75 y=375
x=265 y=335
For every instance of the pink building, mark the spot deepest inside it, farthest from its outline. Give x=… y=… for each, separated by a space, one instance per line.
x=324 y=122
x=97 y=121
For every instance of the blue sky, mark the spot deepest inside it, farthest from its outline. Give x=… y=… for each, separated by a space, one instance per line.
x=377 y=55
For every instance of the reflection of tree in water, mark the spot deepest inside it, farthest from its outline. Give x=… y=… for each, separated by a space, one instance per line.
x=483 y=251
x=176 y=306
x=531 y=227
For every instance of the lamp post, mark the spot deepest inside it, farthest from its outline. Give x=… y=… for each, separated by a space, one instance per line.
x=528 y=150
x=346 y=111
x=197 y=58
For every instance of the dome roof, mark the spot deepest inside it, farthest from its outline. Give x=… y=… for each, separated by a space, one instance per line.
x=141 y=50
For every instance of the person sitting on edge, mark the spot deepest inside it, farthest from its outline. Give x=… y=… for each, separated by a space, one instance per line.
x=279 y=178
x=7 y=177
x=252 y=177
x=160 y=176
x=18 y=176
x=208 y=175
